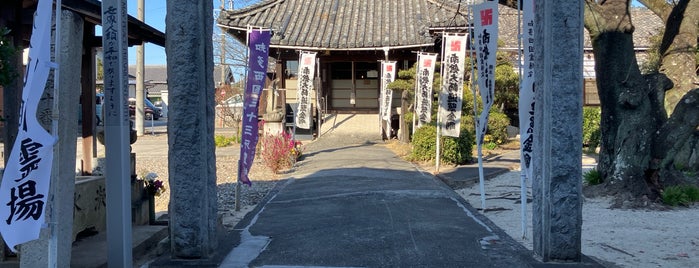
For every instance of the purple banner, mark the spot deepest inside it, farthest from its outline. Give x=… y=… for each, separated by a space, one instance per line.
x=258 y=47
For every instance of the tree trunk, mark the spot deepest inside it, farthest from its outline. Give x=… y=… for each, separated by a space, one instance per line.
x=641 y=148
x=628 y=118
x=404 y=135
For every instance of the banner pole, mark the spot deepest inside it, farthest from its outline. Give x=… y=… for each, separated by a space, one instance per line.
x=247 y=54
x=415 y=89
x=481 y=179
x=523 y=175
x=439 y=108
x=380 y=99
x=479 y=141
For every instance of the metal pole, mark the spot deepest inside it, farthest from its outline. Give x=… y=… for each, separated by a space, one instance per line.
x=523 y=172
x=319 y=114
x=479 y=143
x=439 y=109
x=415 y=89
x=140 y=87
x=481 y=179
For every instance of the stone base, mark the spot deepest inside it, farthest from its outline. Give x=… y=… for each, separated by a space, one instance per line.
x=273 y=128
x=90 y=209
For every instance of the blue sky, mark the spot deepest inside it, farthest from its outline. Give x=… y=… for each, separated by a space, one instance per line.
x=155 y=17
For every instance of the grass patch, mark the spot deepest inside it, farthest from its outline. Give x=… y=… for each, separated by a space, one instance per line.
x=223 y=141
x=680 y=195
x=592 y=177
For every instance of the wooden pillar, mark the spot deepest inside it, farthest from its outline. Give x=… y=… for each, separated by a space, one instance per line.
x=87 y=81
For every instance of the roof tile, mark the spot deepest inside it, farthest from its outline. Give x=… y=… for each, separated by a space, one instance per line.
x=347 y=24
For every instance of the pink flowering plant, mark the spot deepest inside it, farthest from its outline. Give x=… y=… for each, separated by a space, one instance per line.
x=280 y=151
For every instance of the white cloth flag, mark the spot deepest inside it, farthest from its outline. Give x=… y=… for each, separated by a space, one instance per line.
x=388 y=73
x=486 y=35
x=526 y=89
x=305 y=86
x=25 y=182
x=424 y=79
x=451 y=95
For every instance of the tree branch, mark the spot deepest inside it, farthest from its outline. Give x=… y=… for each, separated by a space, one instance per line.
x=593 y=19
x=660 y=7
x=509 y=3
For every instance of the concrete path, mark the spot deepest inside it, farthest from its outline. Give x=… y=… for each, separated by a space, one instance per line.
x=351 y=202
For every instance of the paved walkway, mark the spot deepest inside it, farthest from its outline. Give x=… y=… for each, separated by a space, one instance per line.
x=352 y=203
x=358 y=205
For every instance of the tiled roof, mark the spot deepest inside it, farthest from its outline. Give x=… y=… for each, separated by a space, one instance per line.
x=347 y=24
x=646 y=24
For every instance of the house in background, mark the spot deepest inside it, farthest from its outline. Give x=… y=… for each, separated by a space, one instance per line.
x=646 y=22
x=350 y=39
x=155 y=82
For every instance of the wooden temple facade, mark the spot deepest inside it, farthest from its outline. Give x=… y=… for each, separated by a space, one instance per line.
x=350 y=38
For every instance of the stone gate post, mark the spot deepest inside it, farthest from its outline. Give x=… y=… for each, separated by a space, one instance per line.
x=556 y=186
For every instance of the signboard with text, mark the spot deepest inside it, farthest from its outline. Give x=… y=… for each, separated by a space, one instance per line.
x=25 y=182
x=486 y=39
x=258 y=48
x=424 y=79
x=451 y=95
x=305 y=86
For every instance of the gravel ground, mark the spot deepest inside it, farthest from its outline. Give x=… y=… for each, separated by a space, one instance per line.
x=622 y=237
x=151 y=157
x=263 y=180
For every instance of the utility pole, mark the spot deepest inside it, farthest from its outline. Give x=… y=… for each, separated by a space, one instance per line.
x=140 y=88
x=223 y=58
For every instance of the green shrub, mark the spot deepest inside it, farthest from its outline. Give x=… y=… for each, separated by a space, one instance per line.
x=468 y=124
x=424 y=143
x=490 y=145
x=592 y=117
x=680 y=195
x=592 y=177
x=223 y=141
x=497 y=127
x=454 y=150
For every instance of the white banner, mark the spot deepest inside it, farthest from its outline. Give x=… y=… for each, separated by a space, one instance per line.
x=526 y=90
x=305 y=86
x=424 y=79
x=388 y=73
x=486 y=38
x=451 y=95
x=25 y=182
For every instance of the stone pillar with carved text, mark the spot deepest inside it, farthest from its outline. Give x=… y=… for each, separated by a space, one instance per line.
x=192 y=167
x=557 y=182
